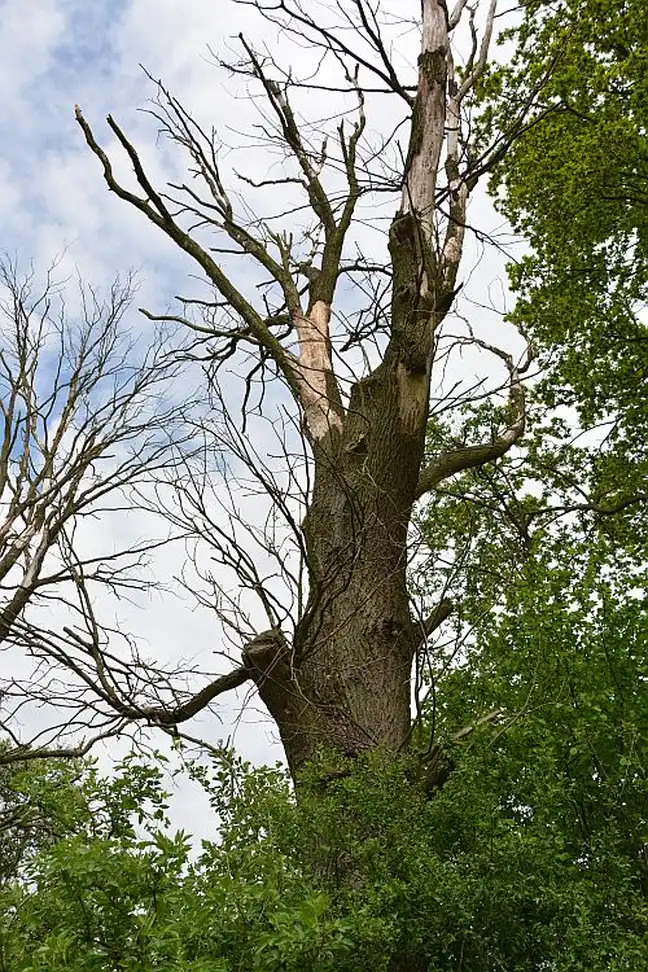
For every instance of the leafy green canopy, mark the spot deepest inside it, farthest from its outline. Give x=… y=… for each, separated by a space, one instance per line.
x=575 y=184
x=533 y=856
x=39 y=803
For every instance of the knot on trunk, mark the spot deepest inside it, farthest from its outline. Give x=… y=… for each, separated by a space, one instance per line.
x=267 y=658
x=264 y=649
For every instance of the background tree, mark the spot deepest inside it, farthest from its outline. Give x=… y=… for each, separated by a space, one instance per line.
x=85 y=423
x=575 y=187
x=32 y=820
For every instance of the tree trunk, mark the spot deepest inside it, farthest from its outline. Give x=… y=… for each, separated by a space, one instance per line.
x=345 y=684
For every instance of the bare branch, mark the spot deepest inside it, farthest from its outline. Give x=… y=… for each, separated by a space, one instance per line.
x=453 y=461
x=162 y=219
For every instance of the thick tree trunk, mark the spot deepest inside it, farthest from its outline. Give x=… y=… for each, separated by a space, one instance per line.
x=345 y=682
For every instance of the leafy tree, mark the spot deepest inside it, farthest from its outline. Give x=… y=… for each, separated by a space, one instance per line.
x=37 y=802
x=576 y=187
x=117 y=892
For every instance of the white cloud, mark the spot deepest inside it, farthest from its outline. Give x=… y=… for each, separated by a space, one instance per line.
x=28 y=40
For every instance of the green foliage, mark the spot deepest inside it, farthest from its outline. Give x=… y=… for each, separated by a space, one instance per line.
x=547 y=806
x=529 y=858
x=575 y=184
x=564 y=662
x=39 y=802
x=117 y=892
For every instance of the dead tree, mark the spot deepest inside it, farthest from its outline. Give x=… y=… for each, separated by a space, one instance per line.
x=337 y=672
x=84 y=425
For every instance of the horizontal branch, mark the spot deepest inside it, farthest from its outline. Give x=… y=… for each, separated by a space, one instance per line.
x=594 y=508
x=438 y=763
x=160 y=715
x=452 y=461
x=23 y=753
x=440 y=613
x=182 y=713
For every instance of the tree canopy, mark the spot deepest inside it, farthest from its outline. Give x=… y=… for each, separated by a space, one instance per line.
x=576 y=187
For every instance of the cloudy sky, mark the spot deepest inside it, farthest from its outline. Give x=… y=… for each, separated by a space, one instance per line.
x=55 y=53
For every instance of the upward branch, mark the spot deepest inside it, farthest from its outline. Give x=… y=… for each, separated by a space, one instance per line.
x=156 y=211
x=309 y=373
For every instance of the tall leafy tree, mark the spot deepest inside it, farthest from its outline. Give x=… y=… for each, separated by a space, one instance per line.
x=576 y=187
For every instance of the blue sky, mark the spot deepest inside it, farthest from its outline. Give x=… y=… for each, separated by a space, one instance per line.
x=55 y=53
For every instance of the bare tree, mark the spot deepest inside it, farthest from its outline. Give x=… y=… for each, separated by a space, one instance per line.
x=354 y=339
x=88 y=416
